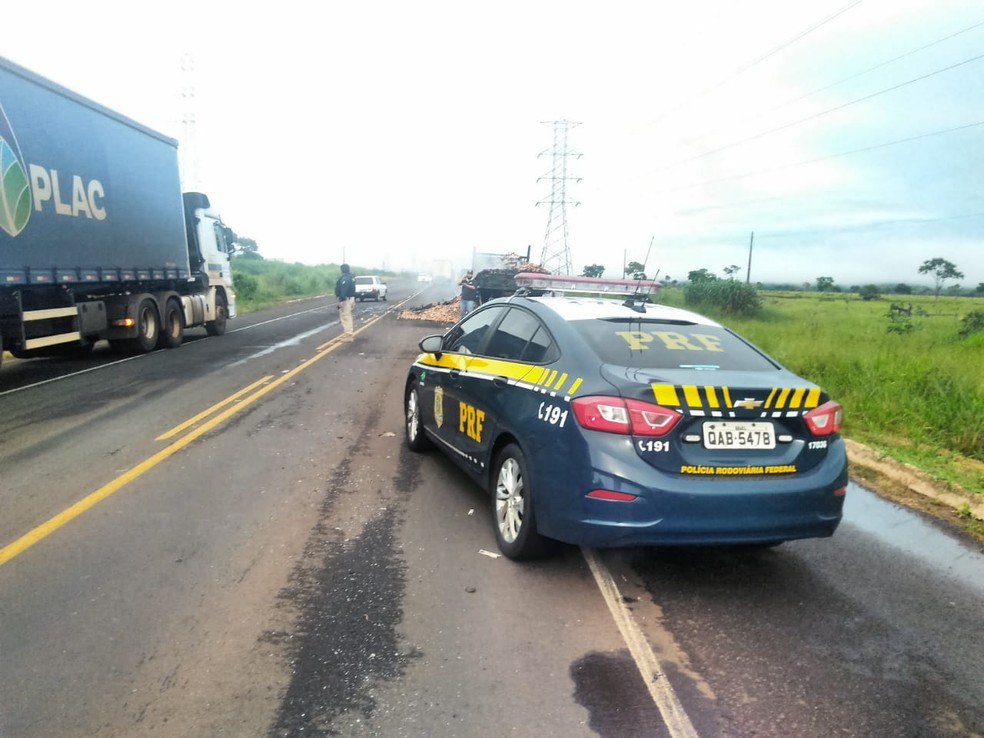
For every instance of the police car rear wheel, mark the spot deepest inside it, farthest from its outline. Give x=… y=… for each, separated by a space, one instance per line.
x=416 y=438
x=513 y=516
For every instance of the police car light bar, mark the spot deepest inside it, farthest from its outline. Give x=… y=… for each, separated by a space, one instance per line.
x=565 y=283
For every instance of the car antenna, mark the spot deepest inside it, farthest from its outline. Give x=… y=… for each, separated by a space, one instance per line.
x=637 y=301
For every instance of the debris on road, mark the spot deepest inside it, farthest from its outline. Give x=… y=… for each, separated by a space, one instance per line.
x=442 y=312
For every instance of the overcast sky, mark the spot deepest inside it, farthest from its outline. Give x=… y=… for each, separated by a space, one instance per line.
x=847 y=135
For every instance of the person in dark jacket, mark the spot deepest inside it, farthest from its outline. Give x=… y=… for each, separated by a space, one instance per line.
x=468 y=294
x=345 y=293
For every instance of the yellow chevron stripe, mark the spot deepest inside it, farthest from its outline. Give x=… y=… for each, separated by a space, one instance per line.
x=712 y=400
x=666 y=395
x=797 y=397
x=783 y=396
x=560 y=382
x=574 y=386
x=768 y=400
x=692 y=395
x=813 y=397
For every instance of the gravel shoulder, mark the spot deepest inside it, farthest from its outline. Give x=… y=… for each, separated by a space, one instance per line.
x=909 y=486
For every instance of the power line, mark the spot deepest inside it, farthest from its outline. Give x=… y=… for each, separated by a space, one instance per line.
x=805 y=162
x=841 y=81
x=897 y=221
x=822 y=113
x=765 y=237
x=741 y=70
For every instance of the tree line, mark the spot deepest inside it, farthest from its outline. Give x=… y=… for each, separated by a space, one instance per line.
x=941 y=270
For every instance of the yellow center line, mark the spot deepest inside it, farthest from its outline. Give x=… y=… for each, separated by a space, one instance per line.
x=205 y=413
x=69 y=514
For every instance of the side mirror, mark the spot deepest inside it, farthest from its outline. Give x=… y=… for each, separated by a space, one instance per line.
x=432 y=344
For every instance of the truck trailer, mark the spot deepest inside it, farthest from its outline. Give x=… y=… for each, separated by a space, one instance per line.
x=97 y=240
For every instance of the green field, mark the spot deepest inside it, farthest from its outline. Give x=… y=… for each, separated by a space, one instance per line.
x=912 y=387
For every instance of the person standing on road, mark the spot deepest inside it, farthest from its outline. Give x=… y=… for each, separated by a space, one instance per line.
x=345 y=293
x=468 y=293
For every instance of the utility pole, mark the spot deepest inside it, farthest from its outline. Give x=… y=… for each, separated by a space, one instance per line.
x=748 y=272
x=190 y=174
x=556 y=257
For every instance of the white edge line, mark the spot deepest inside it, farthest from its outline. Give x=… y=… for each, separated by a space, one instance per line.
x=75 y=374
x=140 y=356
x=674 y=716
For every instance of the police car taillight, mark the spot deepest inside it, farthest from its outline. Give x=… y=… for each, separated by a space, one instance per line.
x=628 y=417
x=825 y=420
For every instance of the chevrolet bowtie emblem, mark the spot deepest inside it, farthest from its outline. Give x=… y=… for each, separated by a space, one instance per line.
x=749 y=403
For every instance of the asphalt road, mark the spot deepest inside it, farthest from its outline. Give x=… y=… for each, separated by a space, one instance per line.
x=231 y=539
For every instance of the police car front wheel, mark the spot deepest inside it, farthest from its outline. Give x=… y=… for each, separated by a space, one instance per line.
x=416 y=438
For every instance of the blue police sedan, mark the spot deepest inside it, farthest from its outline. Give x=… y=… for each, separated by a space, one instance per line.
x=602 y=423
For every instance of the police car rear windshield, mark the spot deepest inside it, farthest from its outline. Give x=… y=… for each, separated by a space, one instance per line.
x=670 y=345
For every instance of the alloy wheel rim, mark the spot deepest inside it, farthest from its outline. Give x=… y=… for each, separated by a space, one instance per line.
x=412 y=416
x=509 y=501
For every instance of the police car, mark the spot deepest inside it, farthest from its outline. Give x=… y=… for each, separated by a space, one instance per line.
x=605 y=423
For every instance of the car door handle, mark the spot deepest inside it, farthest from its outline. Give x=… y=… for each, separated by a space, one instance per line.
x=454 y=373
x=500 y=382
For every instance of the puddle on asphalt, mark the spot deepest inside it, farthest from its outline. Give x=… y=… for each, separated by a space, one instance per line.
x=905 y=530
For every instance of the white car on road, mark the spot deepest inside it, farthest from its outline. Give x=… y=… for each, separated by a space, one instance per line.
x=370 y=287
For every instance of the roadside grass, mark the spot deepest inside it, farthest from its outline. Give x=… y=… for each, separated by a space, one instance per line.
x=261 y=283
x=972 y=524
x=914 y=393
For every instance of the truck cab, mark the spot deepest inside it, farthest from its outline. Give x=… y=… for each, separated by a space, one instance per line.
x=210 y=248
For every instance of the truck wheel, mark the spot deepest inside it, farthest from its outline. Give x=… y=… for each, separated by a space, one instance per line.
x=148 y=327
x=172 y=328
x=218 y=326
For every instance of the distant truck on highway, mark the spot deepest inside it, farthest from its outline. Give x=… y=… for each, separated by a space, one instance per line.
x=97 y=240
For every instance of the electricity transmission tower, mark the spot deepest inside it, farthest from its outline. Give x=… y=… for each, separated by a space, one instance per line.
x=189 y=165
x=556 y=257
